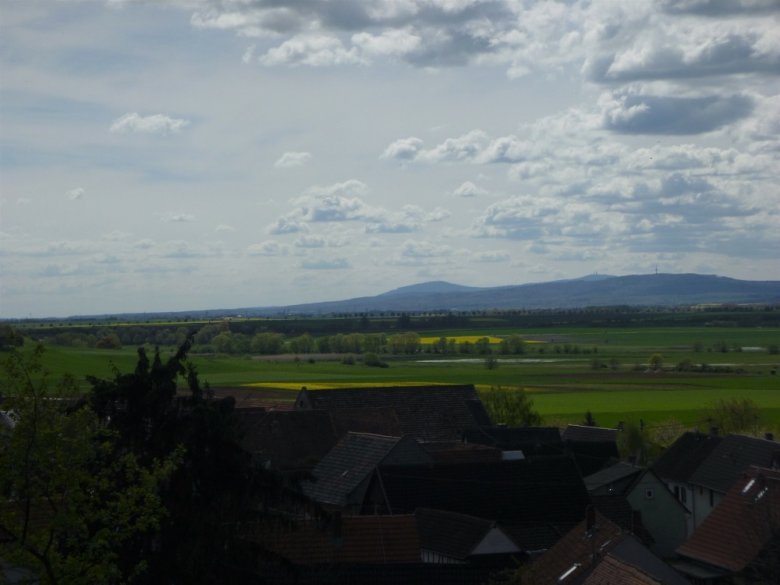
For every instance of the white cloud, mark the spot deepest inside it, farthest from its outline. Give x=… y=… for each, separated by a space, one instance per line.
x=326 y=264
x=76 y=193
x=388 y=43
x=468 y=189
x=403 y=149
x=132 y=123
x=311 y=50
x=491 y=256
x=178 y=218
x=310 y=241
x=222 y=227
x=292 y=159
x=267 y=248
x=290 y=224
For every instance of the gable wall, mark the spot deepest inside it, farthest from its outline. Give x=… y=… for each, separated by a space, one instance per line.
x=662 y=515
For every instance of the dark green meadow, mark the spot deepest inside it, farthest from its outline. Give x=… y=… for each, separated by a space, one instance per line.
x=573 y=369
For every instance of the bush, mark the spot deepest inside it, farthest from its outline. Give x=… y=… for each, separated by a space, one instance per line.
x=372 y=360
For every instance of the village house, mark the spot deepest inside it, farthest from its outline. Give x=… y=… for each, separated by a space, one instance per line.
x=599 y=552
x=656 y=510
x=738 y=543
x=700 y=469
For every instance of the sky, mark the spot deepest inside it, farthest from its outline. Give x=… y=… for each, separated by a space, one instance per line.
x=203 y=154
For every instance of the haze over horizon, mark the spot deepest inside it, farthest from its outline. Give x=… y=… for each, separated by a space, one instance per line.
x=195 y=154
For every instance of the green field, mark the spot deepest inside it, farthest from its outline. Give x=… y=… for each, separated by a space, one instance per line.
x=563 y=385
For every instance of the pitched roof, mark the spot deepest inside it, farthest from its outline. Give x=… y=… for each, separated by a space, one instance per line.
x=615 y=479
x=358 y=540
x=613 y=571
x=578 y=558
x=630 y=551
x=741 y=525
x=526 y=494
x=681 y=460
x=574 y=551
x=289 y=440
x=530 y=440
x=428 y=413
x=583 y=433
x=380 y=421
x=350 y=463
x=451 y=534
x=730 y=458
x=458 y=452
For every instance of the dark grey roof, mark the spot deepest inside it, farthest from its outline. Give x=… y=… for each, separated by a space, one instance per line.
x=681 y=460
x=615 y=479
x=449 y=533
x=530 y=440
x=543 y=496
x=733 y=455
x=428 y=413
x=634 y=553
x=351 y=462
x=288 y=440
x=583 y=433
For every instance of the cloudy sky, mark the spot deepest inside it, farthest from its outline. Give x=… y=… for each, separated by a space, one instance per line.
x=194 y=154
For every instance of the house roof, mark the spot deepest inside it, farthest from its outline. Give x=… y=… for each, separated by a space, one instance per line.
x=681 y=460
x=530 y=440
x=730 y=458
x=575 y=550
x=613 y=571
x=250 y=397
x=527 y=495
x=578 y=557
x=358 y=540
x=428 y=413
x=583 y=433
x=350 y=463
x=289 y=440
x=630 y=551
x=380 y=421
x=458 y=452
x=450 y=533
x=741 y=525
x=615 y=479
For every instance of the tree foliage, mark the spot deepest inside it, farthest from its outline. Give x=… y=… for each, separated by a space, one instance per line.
x=75 y=508
x=510 y=406
x=735 y=415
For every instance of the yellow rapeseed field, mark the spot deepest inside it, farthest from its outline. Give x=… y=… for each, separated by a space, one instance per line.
x=470 y=338
x=331 y=385
x=460 y=339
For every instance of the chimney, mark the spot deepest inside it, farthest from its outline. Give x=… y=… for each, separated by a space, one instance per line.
x=590 y=518
x=769 y=436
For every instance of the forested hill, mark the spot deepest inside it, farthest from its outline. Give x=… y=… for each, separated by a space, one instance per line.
x=591 y=291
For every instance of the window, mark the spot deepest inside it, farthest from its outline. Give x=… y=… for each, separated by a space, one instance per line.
x=649 y=493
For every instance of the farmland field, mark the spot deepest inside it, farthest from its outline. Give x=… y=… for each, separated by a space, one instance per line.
x=568 y=370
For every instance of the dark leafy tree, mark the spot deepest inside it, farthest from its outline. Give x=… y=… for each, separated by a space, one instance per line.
x=74 y=508
x=217 y=499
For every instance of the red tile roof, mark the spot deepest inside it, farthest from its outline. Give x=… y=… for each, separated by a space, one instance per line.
x=613 y=571
x=360 y=540
x=739 y=528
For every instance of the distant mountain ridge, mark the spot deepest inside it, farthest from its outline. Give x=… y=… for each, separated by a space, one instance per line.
x=588 y=291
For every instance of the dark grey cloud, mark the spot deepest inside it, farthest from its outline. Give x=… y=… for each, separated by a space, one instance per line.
x=648 y=114
x=737 y=52
x=450 y=49
x=717 y=8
